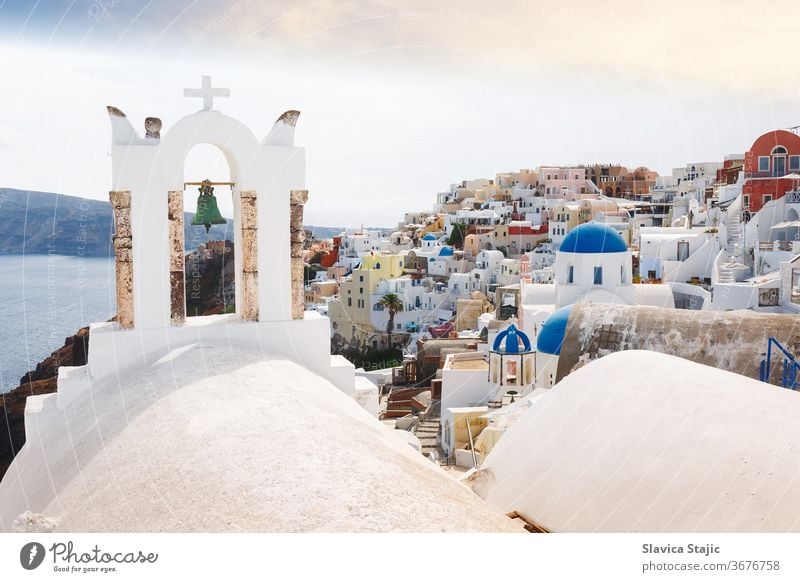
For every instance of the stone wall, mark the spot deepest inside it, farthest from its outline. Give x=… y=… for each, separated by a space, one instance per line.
x=176 y=258
x=249 y=309
x=123 y=254
x=732 y=341
x=297 y=236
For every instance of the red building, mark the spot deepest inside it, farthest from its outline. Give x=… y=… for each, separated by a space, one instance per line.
x=731 y=167
x=772 y=156
x=330 y=257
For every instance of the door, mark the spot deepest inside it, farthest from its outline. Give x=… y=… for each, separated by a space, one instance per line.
x=779 y=166
x=683 y=250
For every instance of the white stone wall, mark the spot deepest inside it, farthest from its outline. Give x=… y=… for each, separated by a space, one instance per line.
x=616 y=277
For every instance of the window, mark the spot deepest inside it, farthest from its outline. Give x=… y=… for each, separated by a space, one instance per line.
x=598 y=275
x=349 y=301
x=746 y=201
x=763 y=163
x=778 y=150
x=622 y=274
x=795 y=286
x=767 y=198
x=794 y=162
x=570 y=275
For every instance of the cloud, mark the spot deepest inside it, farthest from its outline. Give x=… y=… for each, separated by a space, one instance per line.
x=9 y=137
x=400 y=101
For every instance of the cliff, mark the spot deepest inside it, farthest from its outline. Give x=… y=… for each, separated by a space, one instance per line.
x=210 y=278
x=42 y=380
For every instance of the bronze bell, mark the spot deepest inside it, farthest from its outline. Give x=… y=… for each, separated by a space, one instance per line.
x=207 y=210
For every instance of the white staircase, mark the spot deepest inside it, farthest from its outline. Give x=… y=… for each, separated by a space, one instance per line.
x=735 y=228
x=733 y=242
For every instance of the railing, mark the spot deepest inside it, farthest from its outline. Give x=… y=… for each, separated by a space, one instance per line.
x=789 y=366
x=780 y=245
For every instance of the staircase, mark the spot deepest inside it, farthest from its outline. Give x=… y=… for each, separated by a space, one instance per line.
x=426 y=432
x=733 y=243
x=726 y=268
x=735 y=225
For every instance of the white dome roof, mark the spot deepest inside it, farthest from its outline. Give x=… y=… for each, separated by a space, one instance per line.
x=643 y=441
x=222 y=439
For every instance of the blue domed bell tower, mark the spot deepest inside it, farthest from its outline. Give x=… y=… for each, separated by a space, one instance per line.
x=511 y=363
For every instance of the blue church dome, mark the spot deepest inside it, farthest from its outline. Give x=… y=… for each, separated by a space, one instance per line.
x=552 y=333
x=429 y=236
x=507 y=341
x=446 y=252
x=593 y=237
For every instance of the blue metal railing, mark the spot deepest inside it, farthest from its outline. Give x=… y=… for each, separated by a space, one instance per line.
x=789 y=366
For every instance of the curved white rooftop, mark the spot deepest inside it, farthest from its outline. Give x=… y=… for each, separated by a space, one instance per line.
x=221 y=438
x=645 y=442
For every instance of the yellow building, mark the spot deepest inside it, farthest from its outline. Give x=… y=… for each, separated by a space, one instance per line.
x=317 y=291
x=350 y=315
x=435 y=227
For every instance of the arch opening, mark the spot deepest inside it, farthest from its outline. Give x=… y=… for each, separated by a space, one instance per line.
x=210 y=265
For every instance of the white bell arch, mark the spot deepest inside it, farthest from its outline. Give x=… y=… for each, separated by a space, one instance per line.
x=151 y=167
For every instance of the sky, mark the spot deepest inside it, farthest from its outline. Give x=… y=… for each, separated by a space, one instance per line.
x=399 y=99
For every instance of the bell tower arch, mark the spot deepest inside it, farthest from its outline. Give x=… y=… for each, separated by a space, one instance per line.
x=148 y=193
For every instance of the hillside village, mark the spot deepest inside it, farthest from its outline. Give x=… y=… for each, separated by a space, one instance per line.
x=473 y=299
x=577 y=348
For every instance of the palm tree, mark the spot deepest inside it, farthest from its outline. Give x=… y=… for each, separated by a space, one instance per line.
x=393 y=304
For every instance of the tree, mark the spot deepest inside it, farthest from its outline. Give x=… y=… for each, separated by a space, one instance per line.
x=457 y=236
x=393 y=304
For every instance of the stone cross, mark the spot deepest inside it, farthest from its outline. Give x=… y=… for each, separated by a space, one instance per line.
x=207 y=92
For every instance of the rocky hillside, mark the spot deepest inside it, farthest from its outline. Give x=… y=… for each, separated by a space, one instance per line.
x=42 y=380
x=210 y=277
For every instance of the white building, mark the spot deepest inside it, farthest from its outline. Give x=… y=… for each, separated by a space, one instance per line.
x=360 y=244
x=593 y=265
x=677 y=254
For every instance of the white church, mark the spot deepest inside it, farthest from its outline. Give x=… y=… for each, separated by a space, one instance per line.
x=236 y=422
x=593 y=265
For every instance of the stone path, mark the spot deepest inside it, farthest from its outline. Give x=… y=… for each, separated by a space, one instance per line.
x=426 y=433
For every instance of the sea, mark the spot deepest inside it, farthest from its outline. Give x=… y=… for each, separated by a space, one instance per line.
x=43 y=300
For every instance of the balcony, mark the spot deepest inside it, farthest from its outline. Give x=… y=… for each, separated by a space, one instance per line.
x=778 y=245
